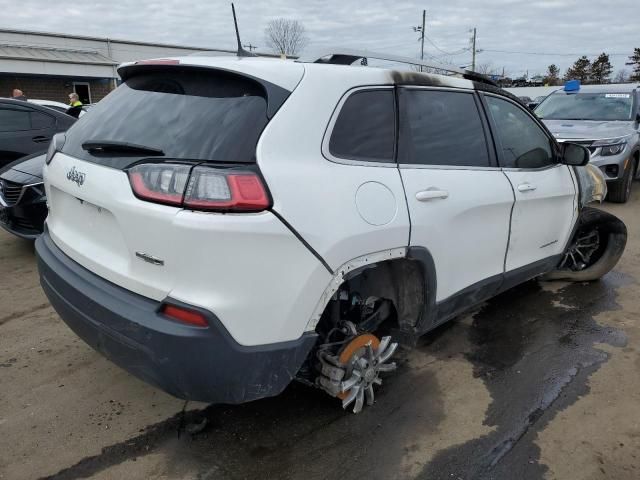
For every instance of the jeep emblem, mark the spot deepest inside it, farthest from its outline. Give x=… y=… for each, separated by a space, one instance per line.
x=76 y=176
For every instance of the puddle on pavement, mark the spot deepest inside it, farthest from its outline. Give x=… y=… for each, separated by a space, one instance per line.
x=534 y=347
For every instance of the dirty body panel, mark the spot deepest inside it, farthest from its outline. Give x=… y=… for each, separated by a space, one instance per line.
x=178 y=358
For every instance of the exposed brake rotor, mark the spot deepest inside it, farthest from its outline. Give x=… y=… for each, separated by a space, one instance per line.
x=362 y=359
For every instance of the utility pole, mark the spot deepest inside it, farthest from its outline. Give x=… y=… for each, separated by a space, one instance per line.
x=250 y=47
x=473 y=47
x=421 y=30
x=424 y=16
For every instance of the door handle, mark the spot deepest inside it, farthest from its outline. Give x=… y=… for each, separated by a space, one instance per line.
x=526 y=187
x=431 y=194
x=40 y=139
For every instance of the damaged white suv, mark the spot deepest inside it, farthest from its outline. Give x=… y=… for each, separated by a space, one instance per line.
x=221 y=226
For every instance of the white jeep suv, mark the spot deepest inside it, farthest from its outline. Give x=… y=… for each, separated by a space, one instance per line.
x=221 y=226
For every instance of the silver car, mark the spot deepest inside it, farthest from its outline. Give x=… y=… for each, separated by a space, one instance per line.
x=606 y=120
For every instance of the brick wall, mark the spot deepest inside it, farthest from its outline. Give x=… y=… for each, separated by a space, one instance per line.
x=51 y=88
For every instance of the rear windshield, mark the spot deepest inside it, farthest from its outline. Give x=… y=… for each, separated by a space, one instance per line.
x=586 y=106
x=188 y=114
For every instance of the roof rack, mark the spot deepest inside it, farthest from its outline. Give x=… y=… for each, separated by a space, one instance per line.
x=347 y=56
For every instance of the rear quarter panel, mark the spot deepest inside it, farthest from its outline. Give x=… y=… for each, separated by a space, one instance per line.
x=315 y=195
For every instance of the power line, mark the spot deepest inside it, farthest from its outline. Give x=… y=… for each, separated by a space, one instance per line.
x=553 y=53
x=457 y=52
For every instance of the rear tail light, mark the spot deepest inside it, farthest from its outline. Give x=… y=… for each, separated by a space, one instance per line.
x=200 y=188
x=160 y=182
x=184 y=315
x=210 y=189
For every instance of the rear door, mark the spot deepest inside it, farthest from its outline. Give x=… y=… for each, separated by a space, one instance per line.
x=23 y=131
x=459 y=200
x=545 y=193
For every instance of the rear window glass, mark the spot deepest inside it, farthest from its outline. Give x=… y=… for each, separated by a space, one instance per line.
x=365 y=128
x=41 y=120
x=188 y=114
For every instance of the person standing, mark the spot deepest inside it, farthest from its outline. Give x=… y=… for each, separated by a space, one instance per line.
x=18 y=95
x=75 y=105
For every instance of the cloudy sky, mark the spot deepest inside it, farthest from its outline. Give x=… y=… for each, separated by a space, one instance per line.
x=517 y=35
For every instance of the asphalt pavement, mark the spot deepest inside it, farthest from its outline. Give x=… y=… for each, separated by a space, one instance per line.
x=539 y=383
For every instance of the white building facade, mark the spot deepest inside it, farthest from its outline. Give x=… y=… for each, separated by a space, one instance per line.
x=49 y=66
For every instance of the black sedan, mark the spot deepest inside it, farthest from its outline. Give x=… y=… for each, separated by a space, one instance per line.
x=23 y=202
x=27 y=128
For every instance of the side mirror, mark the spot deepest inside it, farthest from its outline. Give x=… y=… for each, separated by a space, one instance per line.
x=574 y=154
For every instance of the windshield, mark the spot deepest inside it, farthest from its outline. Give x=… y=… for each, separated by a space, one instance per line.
x=586 y=106
x=187 y=115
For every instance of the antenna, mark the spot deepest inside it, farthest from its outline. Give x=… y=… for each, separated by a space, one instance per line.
x=241 y=51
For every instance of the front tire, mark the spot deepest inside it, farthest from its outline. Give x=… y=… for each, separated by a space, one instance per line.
x=620 y=191
x=580 y=264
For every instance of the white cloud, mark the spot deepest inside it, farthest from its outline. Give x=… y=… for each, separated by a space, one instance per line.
x=549 y=26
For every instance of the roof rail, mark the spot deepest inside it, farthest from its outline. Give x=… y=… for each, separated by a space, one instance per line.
x=347 y=56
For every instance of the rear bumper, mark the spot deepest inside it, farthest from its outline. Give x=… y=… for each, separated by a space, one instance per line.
x=202 y=364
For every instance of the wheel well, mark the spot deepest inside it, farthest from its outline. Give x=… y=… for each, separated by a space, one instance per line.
x=400 y=281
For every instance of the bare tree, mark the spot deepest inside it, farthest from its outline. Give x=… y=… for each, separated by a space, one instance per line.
x=486 y=69
x=285 y=37
x=622 y=76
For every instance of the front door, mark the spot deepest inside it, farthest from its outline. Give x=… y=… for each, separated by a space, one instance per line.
x=545 y=193
x=459 y=200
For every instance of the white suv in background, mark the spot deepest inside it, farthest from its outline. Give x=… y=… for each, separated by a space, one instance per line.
x=221 y=226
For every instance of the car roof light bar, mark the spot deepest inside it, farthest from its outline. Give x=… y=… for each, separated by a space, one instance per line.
x=572 y=86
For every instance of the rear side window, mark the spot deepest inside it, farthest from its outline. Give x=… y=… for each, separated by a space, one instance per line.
x=41 y=120
x=189 y=114
x=524 y=143
x=441 y=128
x=14 y=119
x=365 y=127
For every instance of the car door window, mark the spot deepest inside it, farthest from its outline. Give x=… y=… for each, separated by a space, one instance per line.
x=365 y=127
x=441 y=128
x=14 y=119
x=41 y=120
x=523 y=143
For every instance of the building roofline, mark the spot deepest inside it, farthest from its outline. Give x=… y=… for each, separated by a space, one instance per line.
x=107 y=39
x=58 y=60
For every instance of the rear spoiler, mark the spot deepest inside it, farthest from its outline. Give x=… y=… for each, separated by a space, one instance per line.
x=275 y=95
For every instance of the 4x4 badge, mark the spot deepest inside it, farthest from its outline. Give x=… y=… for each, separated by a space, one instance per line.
x=76 y=176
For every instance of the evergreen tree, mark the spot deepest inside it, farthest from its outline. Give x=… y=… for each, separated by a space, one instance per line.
x=579 y=70
x=601 y=69
x=635 y=63
x=552 y=76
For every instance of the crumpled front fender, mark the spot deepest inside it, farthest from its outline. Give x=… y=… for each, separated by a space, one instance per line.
x=593 y=186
